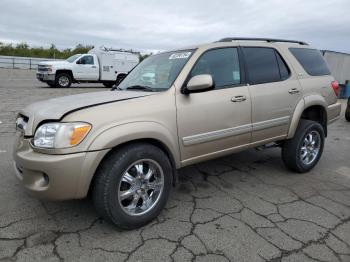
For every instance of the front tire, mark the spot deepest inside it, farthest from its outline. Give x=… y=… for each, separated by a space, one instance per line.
x=63 y=80
x=50 y=84
x=304 y=150
x=132 y=185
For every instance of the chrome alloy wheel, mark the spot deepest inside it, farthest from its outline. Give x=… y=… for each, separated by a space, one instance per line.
x=310 y=148
x=141 y=187
x=63 y=81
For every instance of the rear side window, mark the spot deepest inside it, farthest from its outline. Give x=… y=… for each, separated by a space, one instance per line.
x=311 y=60
x=284 y=70
x=264 y=65
x=222 y=64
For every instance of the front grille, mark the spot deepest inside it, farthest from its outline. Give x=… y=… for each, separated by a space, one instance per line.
x=42 y=68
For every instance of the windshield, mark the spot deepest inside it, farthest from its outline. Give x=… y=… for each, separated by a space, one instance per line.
x=157 y=72
x=72 y=58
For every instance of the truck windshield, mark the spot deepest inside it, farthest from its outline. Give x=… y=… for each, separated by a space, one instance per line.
x=157 y=72
x=72 y=58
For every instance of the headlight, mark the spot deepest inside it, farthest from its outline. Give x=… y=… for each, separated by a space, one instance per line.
x=60 y=135
x=49 y=68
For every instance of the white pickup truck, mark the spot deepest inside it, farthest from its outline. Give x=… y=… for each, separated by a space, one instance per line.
x=106 y=66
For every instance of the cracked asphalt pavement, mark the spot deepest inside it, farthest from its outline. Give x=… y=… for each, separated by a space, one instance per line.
x=243 y=207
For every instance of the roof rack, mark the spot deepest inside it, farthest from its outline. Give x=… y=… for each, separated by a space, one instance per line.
x=269 y=40
x=103 y=48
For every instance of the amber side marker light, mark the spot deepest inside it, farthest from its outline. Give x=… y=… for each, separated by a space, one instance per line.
x=78 y=134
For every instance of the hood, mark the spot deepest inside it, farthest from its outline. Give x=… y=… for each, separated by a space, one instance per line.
x=57 y=108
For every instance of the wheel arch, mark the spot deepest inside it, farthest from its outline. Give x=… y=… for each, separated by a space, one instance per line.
x=107 y=140
x=312 y=108
x=65 y=71
x=87 y=189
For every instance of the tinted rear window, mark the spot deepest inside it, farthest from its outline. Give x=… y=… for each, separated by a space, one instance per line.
x=311 y=60
x=261 y=64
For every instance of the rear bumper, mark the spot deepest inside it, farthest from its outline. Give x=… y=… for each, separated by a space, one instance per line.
x=333 y=112
x=44 y=77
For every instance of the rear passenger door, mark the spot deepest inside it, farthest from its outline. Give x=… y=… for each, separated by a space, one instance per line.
x=275 y=91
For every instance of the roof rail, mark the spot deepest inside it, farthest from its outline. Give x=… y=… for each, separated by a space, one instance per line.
x=269 y=40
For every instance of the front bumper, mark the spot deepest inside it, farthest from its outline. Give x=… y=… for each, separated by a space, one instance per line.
x=44 y=77
x=55 y=177
x=333 y=112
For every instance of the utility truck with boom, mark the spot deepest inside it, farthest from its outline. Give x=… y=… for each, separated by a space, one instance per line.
x=99 y=65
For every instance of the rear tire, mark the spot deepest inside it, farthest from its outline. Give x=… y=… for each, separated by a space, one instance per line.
x=120 y=78
x=347 y=111
x=132 y=185
x=109 y=84
x=304 y=150
x=63 y=80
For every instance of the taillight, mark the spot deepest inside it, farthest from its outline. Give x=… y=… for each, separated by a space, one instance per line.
x=335 y=86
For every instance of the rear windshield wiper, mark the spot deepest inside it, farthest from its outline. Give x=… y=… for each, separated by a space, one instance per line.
x=139 y=87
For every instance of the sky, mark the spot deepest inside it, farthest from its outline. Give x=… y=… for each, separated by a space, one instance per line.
x=157 y=25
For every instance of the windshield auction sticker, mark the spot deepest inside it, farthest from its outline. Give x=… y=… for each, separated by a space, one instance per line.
x=182 y=55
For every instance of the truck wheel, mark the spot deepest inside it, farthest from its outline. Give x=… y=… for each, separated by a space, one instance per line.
x=347 y=111
x=109 y=84
x=63 y=80
x=303 y=151
x=120 y=78
x=132 y=185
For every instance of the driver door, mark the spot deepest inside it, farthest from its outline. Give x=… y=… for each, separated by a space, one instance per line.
x=87 y=68
x=215 y=122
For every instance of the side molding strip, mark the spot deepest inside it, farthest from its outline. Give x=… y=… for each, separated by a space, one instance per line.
x=218 y=134
x=271 y=123
x=234 y=131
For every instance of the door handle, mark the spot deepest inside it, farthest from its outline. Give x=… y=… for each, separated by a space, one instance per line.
x=293 y=91
x=93 y=66
x=238 y=98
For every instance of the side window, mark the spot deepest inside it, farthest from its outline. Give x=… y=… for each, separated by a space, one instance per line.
x=86 y=60
x=284 y=70
x=222 y=64
x=262 y=65
x=311 y=60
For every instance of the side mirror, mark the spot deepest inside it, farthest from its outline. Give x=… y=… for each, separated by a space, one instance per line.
x=79 y=62
x=200 y=82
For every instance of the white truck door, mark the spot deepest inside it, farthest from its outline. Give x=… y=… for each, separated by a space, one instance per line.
x=120 y=63
x=132 y=60
x=107 y=67
x=87 y=68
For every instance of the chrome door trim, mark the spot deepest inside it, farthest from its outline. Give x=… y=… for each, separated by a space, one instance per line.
x=217 y=134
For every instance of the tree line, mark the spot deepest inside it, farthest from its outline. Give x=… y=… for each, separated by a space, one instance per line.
x=23 y=49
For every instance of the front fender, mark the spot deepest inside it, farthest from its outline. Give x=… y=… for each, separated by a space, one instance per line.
x=307 y=101
x=117 y=135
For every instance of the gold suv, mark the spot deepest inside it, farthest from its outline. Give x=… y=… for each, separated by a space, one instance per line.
x=175 y=109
